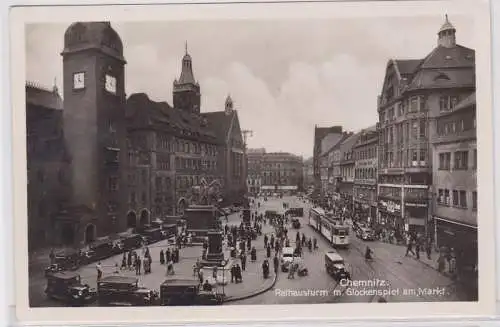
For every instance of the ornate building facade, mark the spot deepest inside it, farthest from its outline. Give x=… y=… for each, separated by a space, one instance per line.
x=119 y=163
x=413 y=94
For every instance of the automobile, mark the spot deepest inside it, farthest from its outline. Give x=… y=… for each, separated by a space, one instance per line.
x=187 y=292
x=124 y=291
x=288 y=256
x=295 y=223
x=295 y=212
x=53 y=268
x=68 y=288
x=365 y=233
x=130 y=241
x=67 y=259
x=154 y=234
x=147 y=239
x=335 y=266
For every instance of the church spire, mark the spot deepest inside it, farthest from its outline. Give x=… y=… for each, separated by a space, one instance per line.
x=187 y=76
x=446 y=34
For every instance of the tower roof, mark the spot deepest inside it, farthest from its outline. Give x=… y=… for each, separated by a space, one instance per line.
x=187 y=76
x=447 y=25
x=86 y=35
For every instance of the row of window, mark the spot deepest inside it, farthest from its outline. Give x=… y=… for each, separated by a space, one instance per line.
x=164 y=142
x=402 y=133
x=456 y=198
x=460 y=160
x=368 y=153
x=404 y=158
x=365 y=173
x=456 y=126
x=197 y=164
x=408 y=105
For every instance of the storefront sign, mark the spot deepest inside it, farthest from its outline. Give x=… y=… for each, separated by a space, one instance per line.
x=390 y=206
x=417 y=205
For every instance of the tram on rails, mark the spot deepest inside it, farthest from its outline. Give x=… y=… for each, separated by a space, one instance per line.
x=333 y=229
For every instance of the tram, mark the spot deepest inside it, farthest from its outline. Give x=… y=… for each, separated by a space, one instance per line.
x=334 y=230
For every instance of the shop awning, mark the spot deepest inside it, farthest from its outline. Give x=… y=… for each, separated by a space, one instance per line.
x=416 y=221
x=454 y=222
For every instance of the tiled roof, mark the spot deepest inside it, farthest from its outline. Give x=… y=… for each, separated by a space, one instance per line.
x=452 y=57
x=39 y=96
x=219 y=123
x=142 y=109
x=407 y=67
x=445 y=78
x=349 y=142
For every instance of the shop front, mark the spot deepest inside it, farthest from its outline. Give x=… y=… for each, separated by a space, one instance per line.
x=389 y=216
x=416 y=217
x=461 y=240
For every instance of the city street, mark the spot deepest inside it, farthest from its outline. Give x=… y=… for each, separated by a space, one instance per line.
x=402 y=274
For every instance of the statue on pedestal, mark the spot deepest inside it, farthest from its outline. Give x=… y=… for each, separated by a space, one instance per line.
x=206 y=193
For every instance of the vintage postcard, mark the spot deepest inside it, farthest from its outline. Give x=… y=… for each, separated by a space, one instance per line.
x=257 y=156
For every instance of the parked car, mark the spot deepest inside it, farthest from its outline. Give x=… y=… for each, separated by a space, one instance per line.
x=295 y=223
x=68 y=288
x=124 y=291
x=187 y=292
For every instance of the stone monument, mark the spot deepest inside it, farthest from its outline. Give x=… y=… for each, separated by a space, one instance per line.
x=202 y=220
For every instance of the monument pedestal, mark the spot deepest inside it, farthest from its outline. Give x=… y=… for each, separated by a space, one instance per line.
x=215 y=255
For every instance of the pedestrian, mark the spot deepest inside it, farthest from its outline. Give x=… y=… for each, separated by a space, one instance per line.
x=168 y=255
x=200 y=276
x=428 y=249
x=238 y=273
x=441 y=262
x=249 y=243
x=409 y=247
x=99 y=271
x=162 y=257
x=233 y=273
x=243 y=261
x=417 y=250
x=276 y=263
x=117 y=270
x=138 y=266
x=303 y=239
x=268 y=251
x=214 y=273
x=253 y=254
x=265 y=240
x=124 y=262
x=129 y=260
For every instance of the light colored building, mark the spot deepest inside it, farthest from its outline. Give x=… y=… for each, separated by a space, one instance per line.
x=414 y=93
x=365 y=175
x=455 y=183
x=279 y=172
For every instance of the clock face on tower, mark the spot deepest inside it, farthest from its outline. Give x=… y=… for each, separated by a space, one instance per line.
x=78 y=81
x=110 y=84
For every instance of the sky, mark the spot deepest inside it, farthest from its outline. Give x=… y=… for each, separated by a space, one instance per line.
x=284 y=76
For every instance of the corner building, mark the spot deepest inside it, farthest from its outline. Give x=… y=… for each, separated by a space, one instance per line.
x=413 y=94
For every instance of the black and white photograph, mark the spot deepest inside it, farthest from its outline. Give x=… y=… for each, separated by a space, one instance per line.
x=225 y=161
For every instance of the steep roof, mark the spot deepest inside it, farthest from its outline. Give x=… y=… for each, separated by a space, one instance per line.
x=449 y=57
x=142 y=111
x=408 y=66
x=219 y=123
x=39 y=96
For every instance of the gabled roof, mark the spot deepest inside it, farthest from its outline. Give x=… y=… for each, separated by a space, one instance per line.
x=219 y=123
x=39 y=96
x=142 y=111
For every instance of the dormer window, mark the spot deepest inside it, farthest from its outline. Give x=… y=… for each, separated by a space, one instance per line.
x=442 y=76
